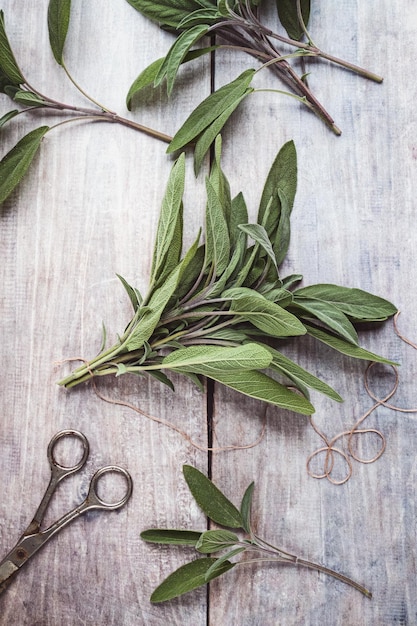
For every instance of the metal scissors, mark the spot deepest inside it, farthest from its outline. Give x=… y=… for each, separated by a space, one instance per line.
x=33 y=537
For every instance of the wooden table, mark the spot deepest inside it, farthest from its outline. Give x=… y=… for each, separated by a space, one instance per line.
x=88 y=209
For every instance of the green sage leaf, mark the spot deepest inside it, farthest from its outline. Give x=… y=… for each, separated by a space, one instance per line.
x=357 y=304
x=259 y=234
x=345 y=347
x=282 y=176
x=264 y=314
x=7 y=117
x=329 y=314
x=9 y=70
x=28 y=98
x=245 y=508
x=210 y=109
x=14 y=165
x=171 y=536
x=187 y=578
x=176 y=55
x=132 y=292
x=59 y=12
x=218 y=563
x=162 y=378
x=207 y=137
x=201 y=16
x=169 y=232
x=147 y=77
x=299 y=375
x=166 y=12
x=203 y=359
x=262 y=387
x=211 y=500
x=288 y=16
x=214 y=540
x=217 y=236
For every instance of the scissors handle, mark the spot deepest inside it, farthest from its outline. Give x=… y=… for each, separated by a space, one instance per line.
x=58 y=472
x=63 y=470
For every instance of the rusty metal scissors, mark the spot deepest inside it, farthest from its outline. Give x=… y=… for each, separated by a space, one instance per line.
x=34 y=538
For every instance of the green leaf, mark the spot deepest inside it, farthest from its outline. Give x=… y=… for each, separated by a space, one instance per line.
x=166 y=12
x=169 y=233
x=291 y=280
x=7 y=117
x=171 y=536
x=59 y=12
x=201 y=16
x=217 y=236
x=214 y=540
x=329 y=314
x=269 y=317
x=211 y=500
x=283 y=233
x=207 y=137
x=345 y=347
x=288 y=16
x=162 y=378
x=187 y=578
x=147 y=77
x=262 y=387
x=299 y=375
x=238 y=215
x=357 y=304
x=155 y=307
x=133 y=293
x=16 y=162
x=210 y=109
x=245 y=507
x=9 y=68
x=203 y=359
x=177 y=54
x=28 y=98
x=281 y=177
x=218 y=563
x=259 y=234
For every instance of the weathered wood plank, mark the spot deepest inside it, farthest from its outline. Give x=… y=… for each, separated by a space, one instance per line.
x=352 y=226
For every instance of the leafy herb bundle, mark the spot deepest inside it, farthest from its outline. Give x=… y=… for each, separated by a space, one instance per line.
x=222 y=511
x=216 y=310
x=237 y=26
x=14 y=84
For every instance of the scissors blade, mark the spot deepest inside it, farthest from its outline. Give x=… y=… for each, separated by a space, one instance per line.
x=7 y=570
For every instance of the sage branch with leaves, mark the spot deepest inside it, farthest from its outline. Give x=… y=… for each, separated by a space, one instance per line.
x=222 y=511
x=236 y=26
x=222 y=309
x=14 y=85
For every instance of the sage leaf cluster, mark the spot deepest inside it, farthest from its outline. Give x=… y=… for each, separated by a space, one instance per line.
x=221 y=309
x=29 y=99
x=238 y=25
x=251 y=548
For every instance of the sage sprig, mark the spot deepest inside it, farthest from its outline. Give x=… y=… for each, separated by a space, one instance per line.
x=13 y=84
x=221 y=309
x=251 y=547
x=236 y=25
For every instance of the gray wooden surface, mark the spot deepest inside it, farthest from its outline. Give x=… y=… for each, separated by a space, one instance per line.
x=88 y=209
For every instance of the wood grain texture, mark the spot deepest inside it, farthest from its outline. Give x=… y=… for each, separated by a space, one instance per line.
x=88 y=209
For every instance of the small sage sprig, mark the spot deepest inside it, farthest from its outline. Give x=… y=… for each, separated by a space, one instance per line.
x=236 y=26
x=14 y=84
x=221 y=309
x=222 y=511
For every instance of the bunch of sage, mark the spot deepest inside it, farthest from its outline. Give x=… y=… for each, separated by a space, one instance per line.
x=223 y=512
x=13 y=84
x=220 y=309
x=236 y=26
